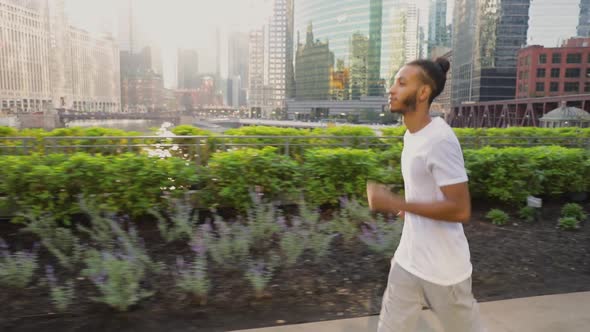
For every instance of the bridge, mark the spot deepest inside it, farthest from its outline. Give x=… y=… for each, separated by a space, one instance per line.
x=511 y=113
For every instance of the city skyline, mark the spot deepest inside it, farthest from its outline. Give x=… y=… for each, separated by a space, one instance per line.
x=184 y=24
x=180 y=24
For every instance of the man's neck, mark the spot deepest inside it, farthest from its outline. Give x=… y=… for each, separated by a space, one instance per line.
x=417 y=120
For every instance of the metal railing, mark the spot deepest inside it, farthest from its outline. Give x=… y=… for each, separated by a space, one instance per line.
x=199 y=145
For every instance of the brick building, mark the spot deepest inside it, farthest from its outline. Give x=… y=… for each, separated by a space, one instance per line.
x=545 y=72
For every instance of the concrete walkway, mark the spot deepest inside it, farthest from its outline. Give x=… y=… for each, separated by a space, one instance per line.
x=553 y=313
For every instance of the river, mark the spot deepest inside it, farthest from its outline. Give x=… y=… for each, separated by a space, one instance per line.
x=142 y=126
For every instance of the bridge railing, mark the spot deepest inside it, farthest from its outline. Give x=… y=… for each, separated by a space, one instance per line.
x=200 y=147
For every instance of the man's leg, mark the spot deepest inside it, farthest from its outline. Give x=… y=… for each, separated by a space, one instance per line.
x=455 y=306
x=402 y=302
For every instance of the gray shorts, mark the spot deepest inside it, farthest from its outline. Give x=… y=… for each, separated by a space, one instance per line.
x=406 y=295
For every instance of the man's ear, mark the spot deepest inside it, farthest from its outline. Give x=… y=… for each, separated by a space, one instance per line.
x=424 y=93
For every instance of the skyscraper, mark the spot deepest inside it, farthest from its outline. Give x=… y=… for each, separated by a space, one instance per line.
x=270 y=70
x=237 y=69
x=280 y=48
x=584 y=20
x=46 y=63
x=188 y=69
x=405 y=39
x=344 y=26
x=438 y=35
x=487 y=35
x=313 y=64
x=359 y=64
x=134 y=41
x=60 y=54
x=375 y=84
x=256 y=68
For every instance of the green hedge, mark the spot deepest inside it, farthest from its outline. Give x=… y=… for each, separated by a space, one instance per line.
x=357 y=136
x=333 y=173
x=132 y=184
x=571 y=132
x=126 y=183
x=234 y=176
x=507 y=175
x=511 y=174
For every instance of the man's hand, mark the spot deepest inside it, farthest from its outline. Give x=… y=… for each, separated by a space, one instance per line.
x=401 y=215
x=382 y=200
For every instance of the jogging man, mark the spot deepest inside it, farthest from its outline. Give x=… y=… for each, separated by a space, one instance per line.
x=432 y=263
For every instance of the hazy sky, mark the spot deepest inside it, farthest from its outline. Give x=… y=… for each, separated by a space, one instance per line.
x=552 y=21
x=192 y=23
x=175 y=24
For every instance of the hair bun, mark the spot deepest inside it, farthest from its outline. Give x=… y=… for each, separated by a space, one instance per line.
x=444 y=64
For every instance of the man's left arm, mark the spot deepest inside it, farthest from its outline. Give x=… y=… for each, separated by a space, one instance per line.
x=456 y=206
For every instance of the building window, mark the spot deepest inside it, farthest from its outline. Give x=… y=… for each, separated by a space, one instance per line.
x=555 y=72
x=540 y=87
x=587 y=87
x=543 y=58
x=540 y=72
x=556 y=58
x=572 y=72
x=571 y=87
x=574 y=58
x=554 y=86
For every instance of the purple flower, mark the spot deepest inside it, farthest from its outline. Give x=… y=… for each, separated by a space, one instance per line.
x=257 y=268
x=206 y=228
x=3 y=244
x=106 y=256
x=99 y=279
x=180 y=263
x=132 y=231
x=198 y=245
x=50 y=274
x=32 y=254
x=297 y=222
x=282 y=222
x=343 y=201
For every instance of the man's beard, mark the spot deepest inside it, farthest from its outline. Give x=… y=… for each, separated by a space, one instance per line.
x=409 y=103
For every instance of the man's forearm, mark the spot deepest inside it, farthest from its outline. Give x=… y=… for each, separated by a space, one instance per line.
x=455 y=208
x=441 y=210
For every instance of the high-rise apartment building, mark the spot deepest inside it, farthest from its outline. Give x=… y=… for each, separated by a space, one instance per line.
x=45 y=63
x=256 y=68
x=280 y=52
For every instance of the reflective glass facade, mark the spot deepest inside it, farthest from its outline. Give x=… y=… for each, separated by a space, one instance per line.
x=344 y=49
x=487 y=35
x=584 y=22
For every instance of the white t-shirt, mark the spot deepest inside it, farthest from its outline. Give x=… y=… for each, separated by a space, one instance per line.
x=436 y=251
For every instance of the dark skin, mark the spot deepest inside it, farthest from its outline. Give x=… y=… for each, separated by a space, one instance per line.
x=409 y=95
